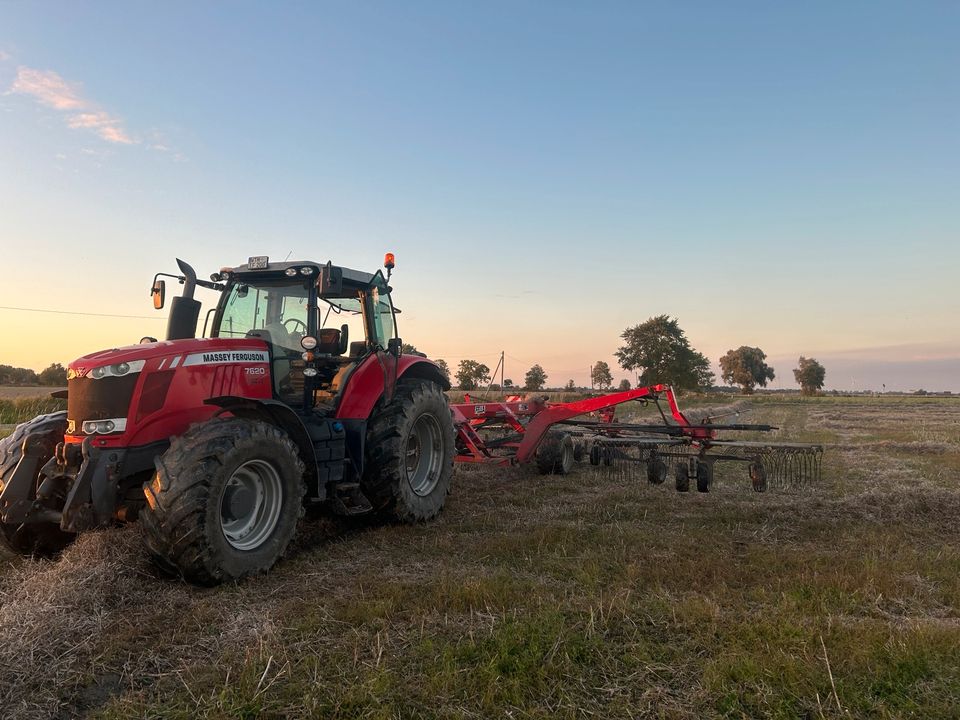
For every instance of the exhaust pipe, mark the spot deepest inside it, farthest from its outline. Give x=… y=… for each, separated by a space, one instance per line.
x=184 y=310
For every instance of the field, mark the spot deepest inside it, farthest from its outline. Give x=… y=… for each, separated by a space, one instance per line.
x=589 y=595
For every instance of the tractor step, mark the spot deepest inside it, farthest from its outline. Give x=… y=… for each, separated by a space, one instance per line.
x=348 y=499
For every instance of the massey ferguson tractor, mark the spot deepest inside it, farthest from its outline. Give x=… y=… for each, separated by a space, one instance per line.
x=299 y=394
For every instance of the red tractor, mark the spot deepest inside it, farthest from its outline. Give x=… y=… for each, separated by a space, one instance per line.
x=299 y=395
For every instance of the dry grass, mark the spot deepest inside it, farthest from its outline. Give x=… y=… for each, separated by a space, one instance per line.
x=17 y=392
x=587 y=595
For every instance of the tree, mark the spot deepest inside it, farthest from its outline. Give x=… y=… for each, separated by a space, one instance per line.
x=444 y=368
x=470 y=374
x=535 y=378
x=624 y=385
x=661 y=353
x=745 y=367
x=508 y=383
x=408 y=349
x=10 y=375
x=600 y=375
x=809 y=375
x=570 y=387
x=56 y=374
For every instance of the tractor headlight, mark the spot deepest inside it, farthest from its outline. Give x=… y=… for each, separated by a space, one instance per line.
x=306 y=271
x=310 y=372
x=103 y=427
x=290 y=272
x=117 y=370
x=308 y=343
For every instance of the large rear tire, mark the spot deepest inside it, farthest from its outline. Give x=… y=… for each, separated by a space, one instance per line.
x=224 y=501
x=33 y=539
x=409 y=453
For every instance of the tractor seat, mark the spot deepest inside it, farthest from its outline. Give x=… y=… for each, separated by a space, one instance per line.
x=328 y=342
x=332 y=341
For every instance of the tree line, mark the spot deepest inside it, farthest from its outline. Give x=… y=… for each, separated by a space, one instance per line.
x=659 y=352
x=55 y=374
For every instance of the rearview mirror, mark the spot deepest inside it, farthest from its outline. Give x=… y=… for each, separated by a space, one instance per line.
x=159 y=292
x=330 y=280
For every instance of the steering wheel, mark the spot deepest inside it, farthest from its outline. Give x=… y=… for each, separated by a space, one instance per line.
x=297 y=322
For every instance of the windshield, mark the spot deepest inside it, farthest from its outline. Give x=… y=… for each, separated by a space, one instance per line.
x=277 y=313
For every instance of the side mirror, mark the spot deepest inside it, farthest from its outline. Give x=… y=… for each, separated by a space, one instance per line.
x=159 y=292
x=395 y=346
x=330 y=280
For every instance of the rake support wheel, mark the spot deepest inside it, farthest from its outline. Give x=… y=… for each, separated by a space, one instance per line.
x=595 y=455
x=555 y=454
x=704 y=476
x=683 y=478
x=656 y=471
x=758 y=476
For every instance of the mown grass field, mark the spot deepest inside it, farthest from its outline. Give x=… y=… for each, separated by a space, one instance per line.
x=590 y=595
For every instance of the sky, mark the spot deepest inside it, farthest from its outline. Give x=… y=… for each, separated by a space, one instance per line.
x=784 y=176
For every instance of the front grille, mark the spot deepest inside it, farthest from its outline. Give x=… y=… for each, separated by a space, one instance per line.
x=109 y=397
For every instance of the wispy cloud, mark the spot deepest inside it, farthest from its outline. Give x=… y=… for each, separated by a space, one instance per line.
x=104 y=124
x=49 y=89
x=4 y=56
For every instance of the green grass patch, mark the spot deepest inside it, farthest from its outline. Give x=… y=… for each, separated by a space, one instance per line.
x=13 y=412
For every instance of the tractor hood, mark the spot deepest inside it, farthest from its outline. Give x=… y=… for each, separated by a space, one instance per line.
x=140 y=394
x=184 y=349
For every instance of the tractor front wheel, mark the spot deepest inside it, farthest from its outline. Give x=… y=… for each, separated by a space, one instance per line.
x=224 y=501
x=409 y=453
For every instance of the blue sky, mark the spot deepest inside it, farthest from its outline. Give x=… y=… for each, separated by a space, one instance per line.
x=547 y=173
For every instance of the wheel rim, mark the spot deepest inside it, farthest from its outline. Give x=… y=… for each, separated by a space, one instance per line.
x=250 y=504
x=424 y=457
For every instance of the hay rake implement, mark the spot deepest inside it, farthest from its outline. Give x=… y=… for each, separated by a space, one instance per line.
x=555 y=435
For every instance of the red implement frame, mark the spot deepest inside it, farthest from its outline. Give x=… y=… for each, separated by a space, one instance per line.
x=530 y=419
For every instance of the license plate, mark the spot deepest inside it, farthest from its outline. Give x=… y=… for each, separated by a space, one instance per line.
x=258 y=262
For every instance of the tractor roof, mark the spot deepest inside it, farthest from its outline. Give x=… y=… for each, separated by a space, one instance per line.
x=357 y=277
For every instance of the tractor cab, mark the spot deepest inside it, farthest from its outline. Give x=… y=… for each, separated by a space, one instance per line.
x=319 y=322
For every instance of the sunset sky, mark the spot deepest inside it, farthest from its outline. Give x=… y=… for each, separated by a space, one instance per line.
x=547 y=173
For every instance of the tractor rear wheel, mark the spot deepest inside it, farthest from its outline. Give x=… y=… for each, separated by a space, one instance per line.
x=409 y=453
x=555 y=454
x=36 y=539
x=224 y=501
